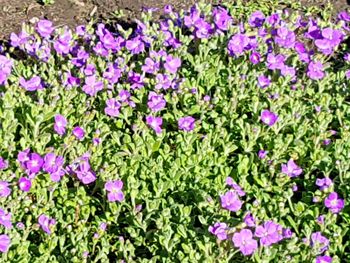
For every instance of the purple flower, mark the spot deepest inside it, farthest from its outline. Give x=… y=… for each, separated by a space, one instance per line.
x=219 y=230
x=263 y=81
x=172 y=64
x=54 y=166
x=138 y=208
x=32 y=84
x=62 y=44
x=190 y=19
x=168 y=9
x=112 y=74
x=20 y=225
x=34 y=163
x=150 y=66
x=273 y=19
x=23 y=157
x=156 y=102
x=333 y=203
x=186 y=123
x=324 y=259
x=331 y=39
x=275 y=62
x=285 y=38
x=80 y=30
x=124 y=95
x=235 y=186
x=114 y=189
x=84 y=173
x=100 y=50
x=24 y=184
x=163 y=82
x=202 y=29
x=170 y=40
x=46 y=223
x=89 y=70
x=92 y=85
x=324 y=45
x=85 y=254
x=268 y=117
x=96 y=141
x=43 y=51
x=313 y=31
x=135 y=79
x=135 y=45
x=103 y=226
x=262 y=154
x=287 y=233
x=300 y=48
x=4 y=243
x=249 y=220
x=335 y=35
x=315 y=70
x=320 y=219
x=274 y=96
x=155 y=123
x=3 y=164
x=288 y=71
x=72 y=81
x=237 y=44
x=51 y=163
x=256 y=19
x=347 y=74
x=112 y=107
x=268 y=233
x=255 y=58
x=206 y=98
x=60 y=124
x=291 y=169
x=78 y=132
x=5 y=64
x=262 y=32
x=56 y=176
x=344 y=15
x=245 y=242
x=324 y=183
x=108 y=41
x=222 y=18
x=20 y=39
x=319 y=242
x=44 y=28
x=231 y=201
x=5 y=69
x=5 y=219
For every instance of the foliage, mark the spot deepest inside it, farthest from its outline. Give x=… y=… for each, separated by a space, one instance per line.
x=173 y=140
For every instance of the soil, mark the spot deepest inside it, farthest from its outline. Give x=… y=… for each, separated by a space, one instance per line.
x=75 y=12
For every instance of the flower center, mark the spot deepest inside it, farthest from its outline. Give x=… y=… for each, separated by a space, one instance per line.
x=334 y=202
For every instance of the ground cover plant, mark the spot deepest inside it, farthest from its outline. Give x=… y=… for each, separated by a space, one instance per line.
x=219 y=134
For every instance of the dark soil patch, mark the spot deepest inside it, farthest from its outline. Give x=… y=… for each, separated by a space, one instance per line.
x=74 y=12
x=64 y=12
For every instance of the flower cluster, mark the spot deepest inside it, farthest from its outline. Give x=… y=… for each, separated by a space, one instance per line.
x=247 y=239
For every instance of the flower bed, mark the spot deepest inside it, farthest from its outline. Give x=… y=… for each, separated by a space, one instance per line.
x=220 y=134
